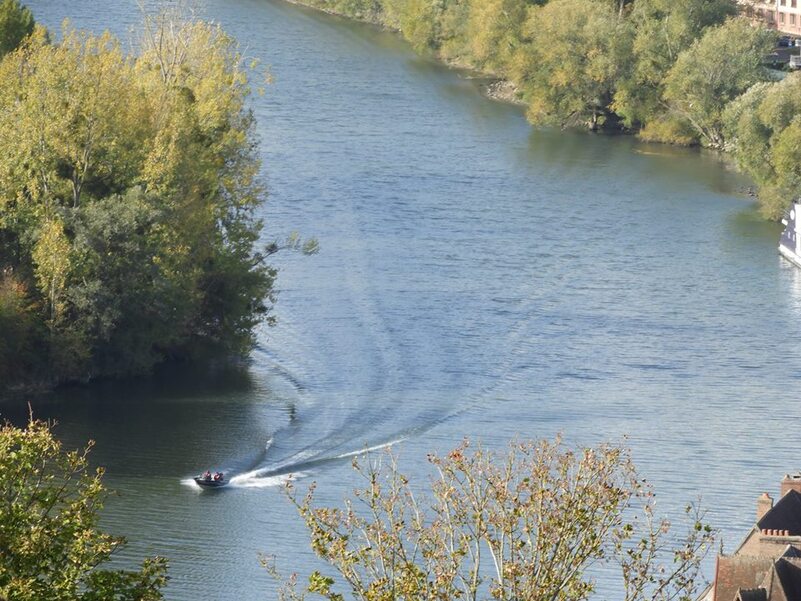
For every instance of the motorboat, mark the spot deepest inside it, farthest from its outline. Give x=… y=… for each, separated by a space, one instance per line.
x=206 y=480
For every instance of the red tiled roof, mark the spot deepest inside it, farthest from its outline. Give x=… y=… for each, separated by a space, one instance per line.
x=739 y=572
x=741 y=577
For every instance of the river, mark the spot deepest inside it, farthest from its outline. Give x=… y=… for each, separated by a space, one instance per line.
x=477 y=277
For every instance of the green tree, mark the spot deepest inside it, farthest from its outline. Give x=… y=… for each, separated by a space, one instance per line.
x=520 y=526
x=204 y=159
x=495 y=32
x=763 y=129
x=128 y=197
x=50 y=544
x=418 y=21
x=572 y=58
x=121 y=298
x=16 y=23
x=662 y=30
x=715 y=70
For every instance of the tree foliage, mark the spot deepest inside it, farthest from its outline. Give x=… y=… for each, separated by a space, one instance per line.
x=764 y=127
x=705 y=78
x=596 y=63
x=128 y=193
x=16 y=23
x=50 y=544
x=495 y=32
x=571 y=60
x=668 y=70
x=661 y=30
x=522 y=526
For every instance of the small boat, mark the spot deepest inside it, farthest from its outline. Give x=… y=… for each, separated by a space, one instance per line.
x=790 y=241
x=207 y=481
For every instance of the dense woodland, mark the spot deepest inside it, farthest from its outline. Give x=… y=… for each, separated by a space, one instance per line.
x=676 y=71
x=128 y=186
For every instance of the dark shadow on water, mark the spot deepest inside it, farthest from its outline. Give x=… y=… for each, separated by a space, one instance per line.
x=172 y=424
x=168 y=382
x=172 y=421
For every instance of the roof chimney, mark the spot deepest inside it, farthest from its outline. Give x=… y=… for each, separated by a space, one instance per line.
x=791 y=483
x=764 y=505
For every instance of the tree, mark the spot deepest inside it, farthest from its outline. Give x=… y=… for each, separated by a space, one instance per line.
x=20 y=338
x=128 y=197
x=204 y=158
x=494 y=32
x=662 y=30
x=763 y=130
x=524 y=526
x=715 y=70
x=16 y=23
x=418 y=21
x=50 y=545
x=573 y=55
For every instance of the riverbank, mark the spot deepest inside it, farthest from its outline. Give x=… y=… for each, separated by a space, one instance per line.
x=503 y=90
x=602 y=70
x=496 y=88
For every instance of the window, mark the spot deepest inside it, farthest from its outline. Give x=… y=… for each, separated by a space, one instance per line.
x=781 y=17
x=792 y=19
x=793 y=3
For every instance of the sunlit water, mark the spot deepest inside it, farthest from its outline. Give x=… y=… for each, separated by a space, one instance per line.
x=477 y=278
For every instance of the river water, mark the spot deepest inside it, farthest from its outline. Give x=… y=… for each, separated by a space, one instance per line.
x=477 y=278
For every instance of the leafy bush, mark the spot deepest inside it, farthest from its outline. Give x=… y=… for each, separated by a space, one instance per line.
x=524 y=525
x=50 y=545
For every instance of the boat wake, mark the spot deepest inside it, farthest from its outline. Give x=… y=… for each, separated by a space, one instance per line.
x=294 y=468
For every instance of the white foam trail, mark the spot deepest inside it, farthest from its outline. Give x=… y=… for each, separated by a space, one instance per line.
x=378 y=447
x=255 y=479
x=298 y=459
x=245 y=481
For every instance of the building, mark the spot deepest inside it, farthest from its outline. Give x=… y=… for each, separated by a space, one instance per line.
x=767 y=564
x=784 y=15
x=788 y=18
x=761 y=11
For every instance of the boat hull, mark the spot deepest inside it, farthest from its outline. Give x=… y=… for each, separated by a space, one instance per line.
x=790 y=255
x=210 y=483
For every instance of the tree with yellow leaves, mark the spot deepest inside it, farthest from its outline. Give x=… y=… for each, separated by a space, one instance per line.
x=128 y=193
x=524 y=525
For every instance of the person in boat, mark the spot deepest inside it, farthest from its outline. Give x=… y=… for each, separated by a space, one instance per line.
x=207 y=476
x=218 y=476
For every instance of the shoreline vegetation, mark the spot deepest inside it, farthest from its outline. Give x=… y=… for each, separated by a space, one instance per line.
x=681 y=72
x=51 y=543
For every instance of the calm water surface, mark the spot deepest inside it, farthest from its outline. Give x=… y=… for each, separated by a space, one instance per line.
x=477 y=278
